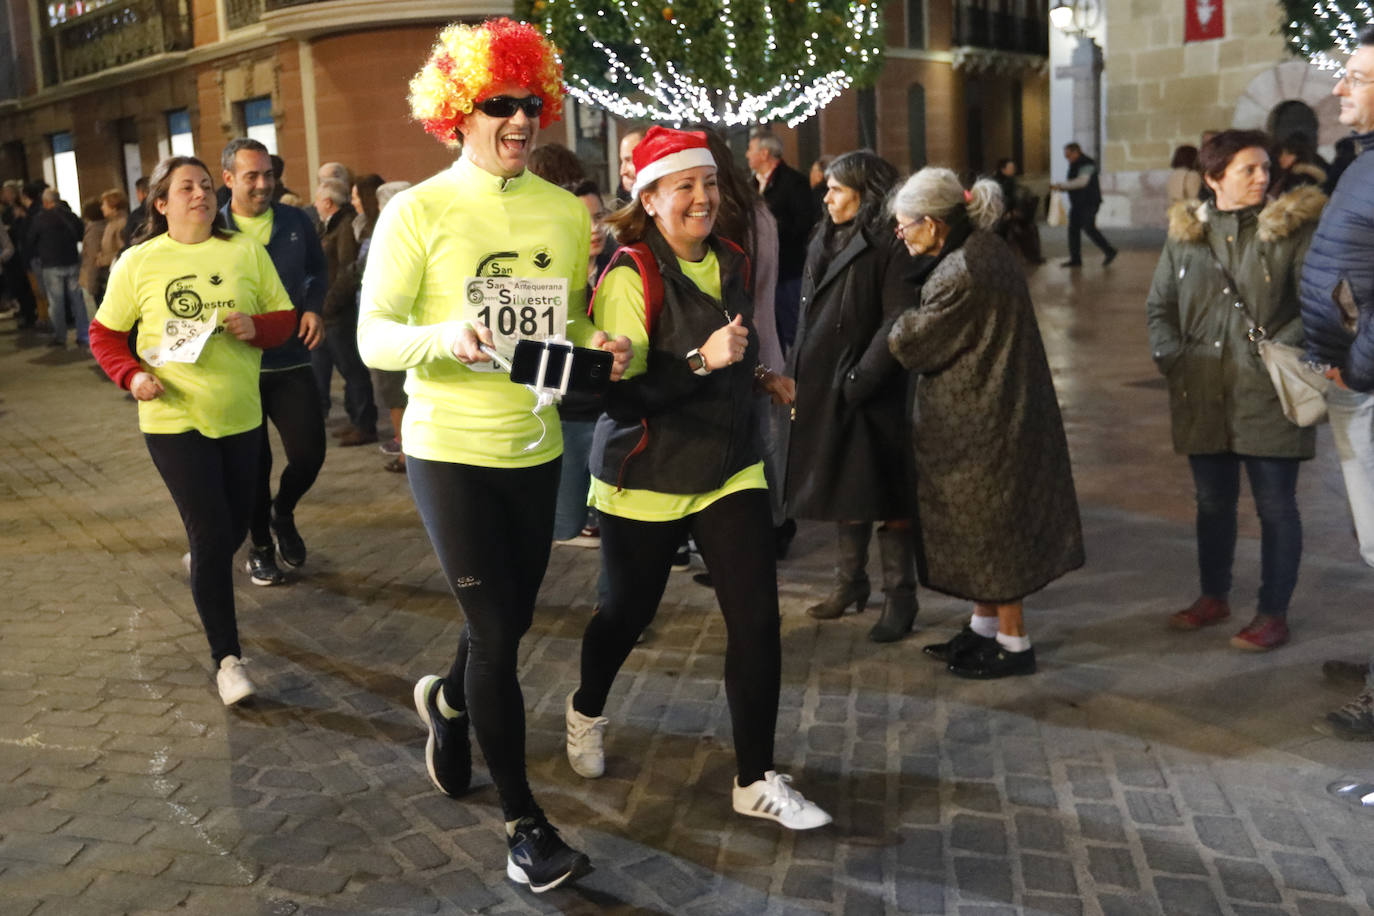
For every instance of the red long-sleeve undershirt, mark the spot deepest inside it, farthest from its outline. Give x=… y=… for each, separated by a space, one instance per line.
x=111 y=348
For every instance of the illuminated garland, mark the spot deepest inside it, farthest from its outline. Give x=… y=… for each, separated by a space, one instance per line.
x=1325 y=32
x=721 y=61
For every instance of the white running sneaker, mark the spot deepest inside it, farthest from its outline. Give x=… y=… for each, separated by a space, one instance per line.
x=233 y=681
x=586 y=736
x=773 y=797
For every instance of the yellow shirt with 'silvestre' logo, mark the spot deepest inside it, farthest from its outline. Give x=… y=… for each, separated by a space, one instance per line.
x=217 y=395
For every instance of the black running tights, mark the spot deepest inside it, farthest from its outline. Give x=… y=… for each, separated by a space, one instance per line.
x=292 y=402
x=491 y=529
x=211 y=482
x=735 y=536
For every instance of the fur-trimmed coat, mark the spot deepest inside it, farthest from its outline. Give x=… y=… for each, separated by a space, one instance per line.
x=1220 y=395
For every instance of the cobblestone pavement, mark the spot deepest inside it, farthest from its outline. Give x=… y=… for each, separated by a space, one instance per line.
x=1141 y=772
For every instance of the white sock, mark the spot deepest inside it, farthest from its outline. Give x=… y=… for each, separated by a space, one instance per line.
x=445 y=710
x=1013 y=643
x=510 y=828
x=984 y=626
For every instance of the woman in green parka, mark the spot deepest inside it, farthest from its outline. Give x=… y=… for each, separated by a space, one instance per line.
x=1229 y=273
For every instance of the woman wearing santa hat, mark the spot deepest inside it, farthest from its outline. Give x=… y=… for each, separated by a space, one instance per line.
x=676 y=452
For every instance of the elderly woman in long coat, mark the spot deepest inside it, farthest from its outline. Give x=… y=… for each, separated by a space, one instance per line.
x=847 y=462
x=995 y=497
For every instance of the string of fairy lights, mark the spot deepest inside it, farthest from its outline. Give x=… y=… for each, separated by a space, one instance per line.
x=1325 y=32
x=717 y=62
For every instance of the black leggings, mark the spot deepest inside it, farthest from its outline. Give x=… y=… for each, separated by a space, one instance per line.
x=735 y=536
x=292 y=402
x=491 y=529
x=211 y=482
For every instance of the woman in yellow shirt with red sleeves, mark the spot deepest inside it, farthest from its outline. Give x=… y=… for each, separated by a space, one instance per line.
x=206 y=303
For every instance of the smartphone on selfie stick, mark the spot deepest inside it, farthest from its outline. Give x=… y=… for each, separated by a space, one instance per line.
x=556 y=367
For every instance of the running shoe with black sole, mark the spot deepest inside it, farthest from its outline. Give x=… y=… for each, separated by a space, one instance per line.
x=290 y=544
x=448 y=752
x=539 y=859
x=262 y=568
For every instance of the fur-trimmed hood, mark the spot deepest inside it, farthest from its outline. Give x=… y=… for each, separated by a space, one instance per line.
x=1279 y=219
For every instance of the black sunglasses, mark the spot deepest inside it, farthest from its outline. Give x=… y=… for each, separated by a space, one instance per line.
x=504 y=106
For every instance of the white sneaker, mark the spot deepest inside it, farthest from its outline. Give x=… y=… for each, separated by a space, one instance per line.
x=585 y=742
x=233 y=681
x=773 y=797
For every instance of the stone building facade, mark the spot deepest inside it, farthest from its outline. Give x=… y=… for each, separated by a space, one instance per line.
x=1161 y=92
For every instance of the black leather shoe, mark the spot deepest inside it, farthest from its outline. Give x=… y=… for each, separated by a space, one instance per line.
x=988 y=662
x=1111 y=256
x=1071 y=264
x=966 y=640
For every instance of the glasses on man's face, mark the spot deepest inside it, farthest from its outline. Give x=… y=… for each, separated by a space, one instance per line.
x=505 y=106
x=1354 y=82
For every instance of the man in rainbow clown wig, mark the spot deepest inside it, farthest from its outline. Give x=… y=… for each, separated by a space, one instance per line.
x=463 y=264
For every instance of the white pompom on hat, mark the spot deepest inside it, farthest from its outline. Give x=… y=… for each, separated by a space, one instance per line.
x=664 y=151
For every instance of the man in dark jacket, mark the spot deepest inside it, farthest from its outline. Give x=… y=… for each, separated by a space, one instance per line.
x=1338 y=318
x=286 y=382
x=138 y=215
x=1085 y=197
x=53 y=234
x=788 y=195
x=341 y=311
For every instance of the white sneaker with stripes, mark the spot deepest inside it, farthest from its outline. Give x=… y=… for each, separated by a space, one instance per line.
x=774 y=798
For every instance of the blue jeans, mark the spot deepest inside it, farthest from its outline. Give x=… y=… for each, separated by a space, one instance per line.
x=62 y=288
x=570 y=514
x=1274 y=485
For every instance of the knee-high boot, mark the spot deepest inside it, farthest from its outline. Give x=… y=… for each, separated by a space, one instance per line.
x=897 y=549
x=851 y=578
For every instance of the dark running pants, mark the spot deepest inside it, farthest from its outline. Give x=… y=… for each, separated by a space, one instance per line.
x=211 y=482
x=292 y=402
x=735 y=536
x=492 y=529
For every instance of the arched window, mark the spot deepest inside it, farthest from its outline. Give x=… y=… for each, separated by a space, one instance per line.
x=916 y=125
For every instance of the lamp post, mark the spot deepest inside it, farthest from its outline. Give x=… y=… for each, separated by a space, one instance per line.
x=1075 y=18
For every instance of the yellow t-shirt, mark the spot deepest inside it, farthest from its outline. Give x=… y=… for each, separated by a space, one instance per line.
x=162 y=279
x=619 y=309
x=257 y=228
x=466 y=224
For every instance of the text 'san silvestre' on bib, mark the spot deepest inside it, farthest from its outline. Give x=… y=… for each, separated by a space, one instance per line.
x=516 y=308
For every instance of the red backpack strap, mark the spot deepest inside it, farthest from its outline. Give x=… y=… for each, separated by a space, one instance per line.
x=647 y=268
x=748 y=280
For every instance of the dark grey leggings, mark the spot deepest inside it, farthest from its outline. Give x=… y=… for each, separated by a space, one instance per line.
x=491 y=529
x=211 y=481
x=735 y=536
x=292 y=402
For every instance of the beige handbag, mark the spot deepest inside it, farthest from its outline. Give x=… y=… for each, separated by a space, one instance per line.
x=1301 y=386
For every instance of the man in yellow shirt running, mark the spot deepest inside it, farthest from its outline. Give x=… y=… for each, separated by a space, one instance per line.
x=484 y=246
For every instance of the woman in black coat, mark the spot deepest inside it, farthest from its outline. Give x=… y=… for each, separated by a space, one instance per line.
x=847 y=458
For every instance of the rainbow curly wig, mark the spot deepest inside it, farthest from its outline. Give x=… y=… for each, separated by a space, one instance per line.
x=467 y=62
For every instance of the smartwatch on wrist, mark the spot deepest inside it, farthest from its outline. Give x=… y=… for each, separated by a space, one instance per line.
x=697 y=363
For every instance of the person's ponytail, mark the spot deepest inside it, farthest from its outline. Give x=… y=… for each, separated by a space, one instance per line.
x=985 y=204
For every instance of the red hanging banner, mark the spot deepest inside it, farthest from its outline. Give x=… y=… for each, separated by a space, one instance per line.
x=1204 y=20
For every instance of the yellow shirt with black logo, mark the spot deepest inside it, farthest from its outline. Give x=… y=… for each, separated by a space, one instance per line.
x=217 y=395
x=430 y=240
x=619 y=309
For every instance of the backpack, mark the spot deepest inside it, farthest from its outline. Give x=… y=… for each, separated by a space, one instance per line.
x=647 y=266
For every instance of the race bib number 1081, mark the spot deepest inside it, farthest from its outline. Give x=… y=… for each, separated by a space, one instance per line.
x=516 y=308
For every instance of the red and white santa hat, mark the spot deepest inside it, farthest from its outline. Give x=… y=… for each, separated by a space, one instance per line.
x=664 y=151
